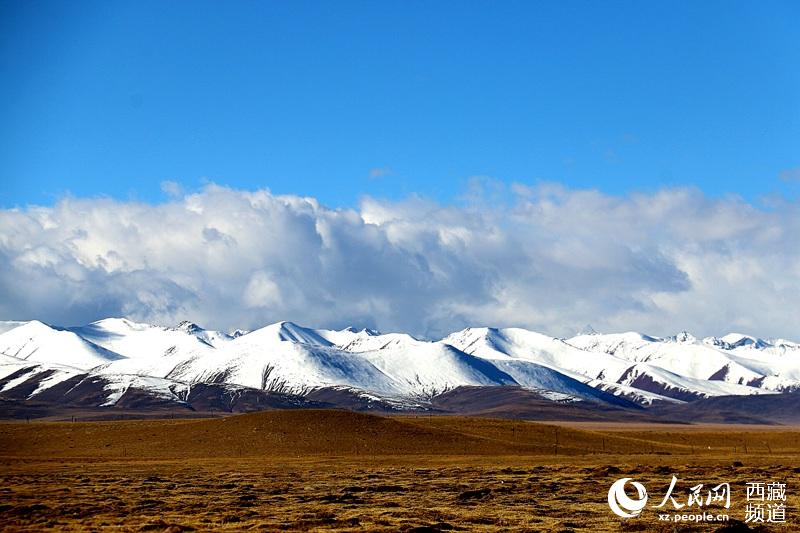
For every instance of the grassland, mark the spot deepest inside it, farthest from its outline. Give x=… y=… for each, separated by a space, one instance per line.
x=340 y=471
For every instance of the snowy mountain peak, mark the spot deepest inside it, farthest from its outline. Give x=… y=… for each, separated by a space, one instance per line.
x=36 y=341
x=470 y=336
x=716 y=342
x=364 y=342
x=365 y=331
x=346 y=338
x=285 y=331
x=286 y=357
x=738 y=340
x=34 y=326
x=684 y=337
x=189 y=327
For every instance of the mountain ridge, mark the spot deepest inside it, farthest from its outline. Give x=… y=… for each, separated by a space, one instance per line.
x=106 y=360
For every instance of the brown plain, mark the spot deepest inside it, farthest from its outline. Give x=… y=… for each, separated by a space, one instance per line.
x=342 y=471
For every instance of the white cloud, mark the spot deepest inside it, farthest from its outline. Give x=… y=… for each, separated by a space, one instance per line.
x=545 y=257
x=262 y=291
x=171 y=188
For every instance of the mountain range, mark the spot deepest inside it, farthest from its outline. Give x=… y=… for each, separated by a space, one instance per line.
x=121 y=364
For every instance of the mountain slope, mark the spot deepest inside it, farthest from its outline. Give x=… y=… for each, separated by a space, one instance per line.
x=115 y=362
x=426 y=368
x=602 y=366
x=143 y=341
x=38 y=342
x=280 y=357
x=753 y=363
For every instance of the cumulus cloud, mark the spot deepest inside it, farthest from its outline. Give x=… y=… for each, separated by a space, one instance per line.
x=547 y=258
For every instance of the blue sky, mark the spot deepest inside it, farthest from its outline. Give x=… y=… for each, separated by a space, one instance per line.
x=343 y=99
x=646 y=134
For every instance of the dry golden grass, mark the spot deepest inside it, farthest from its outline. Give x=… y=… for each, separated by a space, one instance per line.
x=337 y=471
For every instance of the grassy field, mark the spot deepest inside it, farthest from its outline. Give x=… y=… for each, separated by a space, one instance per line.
x=334 y=470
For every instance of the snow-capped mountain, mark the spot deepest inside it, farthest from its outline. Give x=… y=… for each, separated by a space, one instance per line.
x=142 y=341
x=425 y=368
x=117 y=361
x=283 y=357
x=37 y=342
x=733 y=364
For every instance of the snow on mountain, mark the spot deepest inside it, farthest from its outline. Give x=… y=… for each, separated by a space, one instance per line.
x=542 y=378
x=681 y=355
x=753 y=347
x=623 y=345
x=280 y=357
x=530 y=358
x=15 y=372
x=785 y=346
x=24 y=380
x=738 y=340
x=647 y=377
x=289 y=331
x=142 y=341
x=214 y=338
x=150 y=350
x=162 y=366
x=516 y=343
x=116 y=386
x=345 y=337
x=415 y=362
x=604 y=359
x=426 y=368
x=777 y=362
x=115 y=360
x=703 y=363
x=37 y=342
x=639 y=396
x=527 y=356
